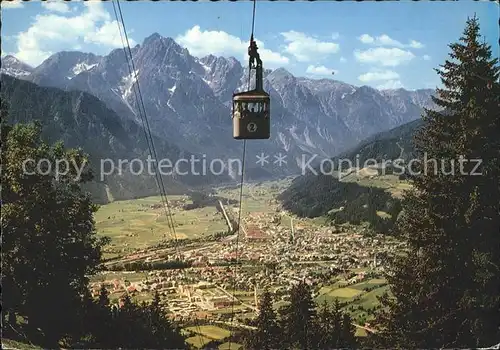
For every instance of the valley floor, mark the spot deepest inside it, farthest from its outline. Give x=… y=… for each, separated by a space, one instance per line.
x=275 y=249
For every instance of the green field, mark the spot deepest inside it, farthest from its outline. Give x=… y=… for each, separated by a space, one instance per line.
x=360 y=332
x=329 y=294
x=369 y=299
x=198 y=341
x=356 y=296
x=134 y=224
x=212 y=332
x=230 y=346
x=371 y=283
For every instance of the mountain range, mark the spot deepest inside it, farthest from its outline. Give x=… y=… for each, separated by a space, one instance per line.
x=187 y=102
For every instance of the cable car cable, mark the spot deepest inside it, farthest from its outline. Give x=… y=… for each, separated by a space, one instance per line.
x=147 y=131
x=153 y=149
x=130 y=69
x=241 y=192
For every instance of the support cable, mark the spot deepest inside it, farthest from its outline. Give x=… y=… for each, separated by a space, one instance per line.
x=147 y=132
x=241 y=195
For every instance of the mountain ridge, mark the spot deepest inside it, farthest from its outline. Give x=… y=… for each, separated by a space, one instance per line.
x=80 y=120
x=187 y=101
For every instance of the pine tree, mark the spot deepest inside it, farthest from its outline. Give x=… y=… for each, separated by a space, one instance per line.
x=336 y=321
x=103 y=301
x=347 y=338
x=334 y=328
x=267 y=334
x=163 y=332
x=445 y=290
x=297 y=319
x=102 y=326
x=325 y=331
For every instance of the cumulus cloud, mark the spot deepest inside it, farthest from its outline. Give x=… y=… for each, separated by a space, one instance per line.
x=390 y=85
x=378 y=76
x=386 y=40
x=426 y=57
x=386 y=57
x=416 y=44
x=53 y=32
x=306 y=48
x=16 y=4
x=204 y=42
x=56 y=6
x=320 y=70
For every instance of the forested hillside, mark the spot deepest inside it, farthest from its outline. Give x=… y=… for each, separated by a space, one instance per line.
x=81 y=120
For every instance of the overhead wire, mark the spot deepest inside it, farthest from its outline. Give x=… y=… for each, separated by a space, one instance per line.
x=147 y=131
x=138 y=97
x=147 y=122
x=241 y=195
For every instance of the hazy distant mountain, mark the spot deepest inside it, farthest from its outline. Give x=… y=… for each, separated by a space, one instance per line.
x=187 y=102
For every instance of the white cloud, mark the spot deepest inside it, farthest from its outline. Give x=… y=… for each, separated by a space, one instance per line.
x=366 y=39
x=426 y=57
x=53 y=32
x=17 y=4
x=202 y=43
x=335 y=35
x=386 y=40
x=391 y=84
x=343 y=60
x=378 y=76
x=306 y=48
x=386 y=57
x=320 y=70
x=416 y=44
x=56 y=6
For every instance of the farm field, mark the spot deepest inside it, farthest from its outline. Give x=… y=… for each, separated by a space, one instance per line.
x=359 y=297
x=212 y=332
x=198 y=341
x=141 y=223
x=206 y=334
x=229 y=346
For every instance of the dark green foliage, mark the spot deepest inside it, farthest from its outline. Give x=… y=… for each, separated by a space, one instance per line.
x=267 y=334
x=297 y=318
x=300 y=325
x=49 y=244
x=50 y=247
x=364 y=209
x=316 y=195
x=334 y=328
x=446 y=289
x=132 y=325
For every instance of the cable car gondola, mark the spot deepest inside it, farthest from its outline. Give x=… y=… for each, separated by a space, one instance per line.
x=251 y=109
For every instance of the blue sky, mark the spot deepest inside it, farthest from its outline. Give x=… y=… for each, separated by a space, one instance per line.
x=382 y=44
